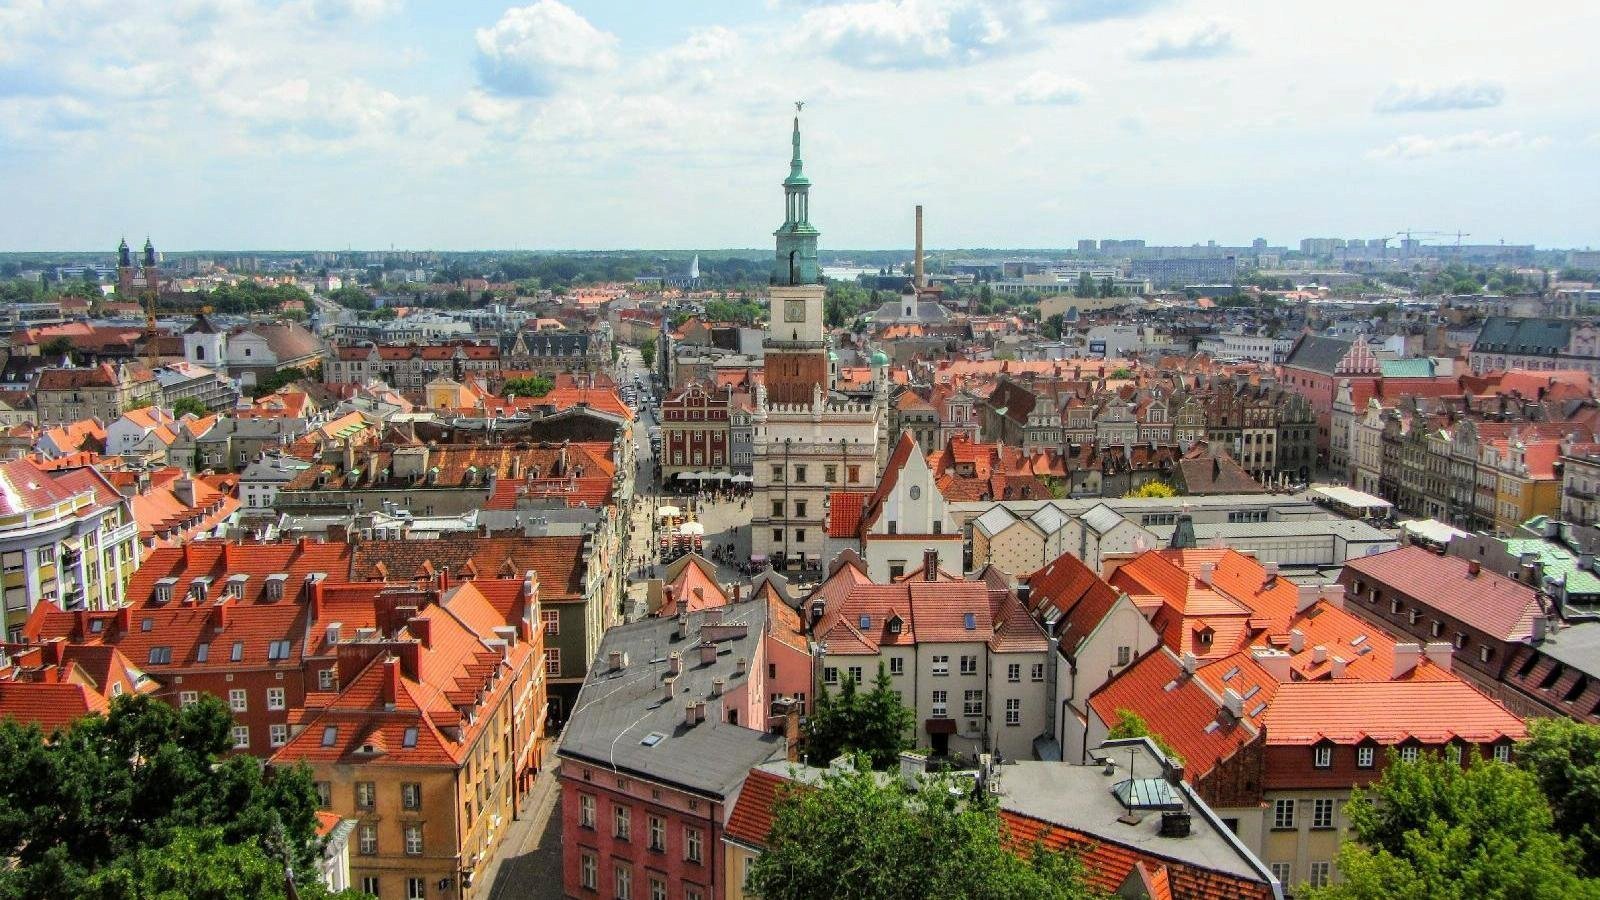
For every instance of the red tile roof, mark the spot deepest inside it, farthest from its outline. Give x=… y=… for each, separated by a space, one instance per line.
x=1490 y=602
x=750 y=820
x=1388 y=712
x=1178 y=707
x=844 y=513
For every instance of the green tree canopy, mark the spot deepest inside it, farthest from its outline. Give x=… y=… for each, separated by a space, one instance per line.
x=1085 y=287
x=874 y=723
x=186 y=405
x=1563 y=756
x=141 y=802
x=647 y=352
x=527 y=386
x=869 y=837
x=1433 y=829
x=1130 y=724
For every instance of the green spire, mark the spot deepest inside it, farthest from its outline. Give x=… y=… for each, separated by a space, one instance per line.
x=796 y=260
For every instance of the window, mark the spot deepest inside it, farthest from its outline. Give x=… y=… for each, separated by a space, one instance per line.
x=1124 y=655
x=278 y=735
x=1322 y=813
x=1322 y=757
x=277 y=650
x=941 y=704
x=275 y=698
x=552 y=620
x=413 y=839
x=1320 y=873
x=1283 y=814
x=411 y=795
x=367 y=839
x=1282 y=871
x=324 y=794
x=588 y=870
x=238 y=701
x=408 y=738
x=1014 y=672
x=416 y=888
x=855 y=674
x=1364 y=757
x=897 y=665
x=969 y=665
x=325 y=679
x=366 y=794
x=623 y=886
x=160 y=655
x=777 y=509
x=330 y=735
x=1409 y=754
x=830 y=474
x=799 y=535
x=552 y=661
x=238 y=652
x=1013 y=711
x=941 y=665
x=621 y=823
x=187 y=697
x=777 y=474
x=369 y=884
x=972 y=703
x=241 y=737
x=800 y=509
x=830 y=675
x=799 y=474
x=202 y=652
x=658 y=889
x=585 y=811
x=1037 y=672
x=693 y=844
x=777 y=535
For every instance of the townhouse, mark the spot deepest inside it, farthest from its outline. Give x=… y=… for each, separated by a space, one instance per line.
x=964 y=655
x=410 y=367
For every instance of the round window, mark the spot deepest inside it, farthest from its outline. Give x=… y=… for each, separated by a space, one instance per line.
x=916 y=492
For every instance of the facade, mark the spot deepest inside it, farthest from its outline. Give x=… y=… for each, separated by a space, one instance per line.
x=964 y=655
x=670 y=721
x=1314 y=369
x=554 y=352
x=1580 y=487
x=904 y=519
x=103 y=392
x=695 y=430
x=411 y=367
x=66 y=537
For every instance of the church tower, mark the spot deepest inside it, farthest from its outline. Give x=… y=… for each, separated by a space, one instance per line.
x=124 y=271
x=152 y=276
x=796 y=346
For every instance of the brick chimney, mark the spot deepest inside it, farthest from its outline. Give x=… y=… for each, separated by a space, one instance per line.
x=708 y=653
x=421 y=629
x=183 y=489
x=391 y=680
x=1440 y=653
x=1297 y=640
x=1309 y=595
x=674 y=663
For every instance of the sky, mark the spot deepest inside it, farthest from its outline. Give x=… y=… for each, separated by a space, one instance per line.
x=465 y=124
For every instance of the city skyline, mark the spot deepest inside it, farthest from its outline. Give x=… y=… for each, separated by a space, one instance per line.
x=371 y=123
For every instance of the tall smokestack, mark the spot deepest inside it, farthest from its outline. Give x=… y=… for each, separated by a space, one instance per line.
x=918 y=282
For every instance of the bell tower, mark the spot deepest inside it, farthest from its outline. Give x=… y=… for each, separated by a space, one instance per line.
x=796 y=345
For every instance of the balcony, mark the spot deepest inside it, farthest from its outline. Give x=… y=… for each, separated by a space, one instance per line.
x=1581 y=494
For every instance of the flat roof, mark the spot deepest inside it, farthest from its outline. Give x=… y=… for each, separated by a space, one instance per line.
x=1349 y=529
x=1349 y=496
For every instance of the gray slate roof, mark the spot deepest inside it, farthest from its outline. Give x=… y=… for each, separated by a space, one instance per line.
x=617 y=709
x=1317 y=353
x=1503 y=334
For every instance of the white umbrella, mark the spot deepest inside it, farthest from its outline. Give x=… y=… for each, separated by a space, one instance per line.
x=667 y=512
x=692 y=528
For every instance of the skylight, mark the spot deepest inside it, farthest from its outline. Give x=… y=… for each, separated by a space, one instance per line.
x=330 y=734
x=409 y=739
x=652 y=739
x=866 y=621
x=971 y=621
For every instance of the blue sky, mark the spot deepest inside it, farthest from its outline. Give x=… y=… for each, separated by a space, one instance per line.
x=428 y=124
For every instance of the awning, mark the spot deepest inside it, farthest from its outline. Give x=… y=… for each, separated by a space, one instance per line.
x=758 y=557
x=940 y=726
x=742 y=479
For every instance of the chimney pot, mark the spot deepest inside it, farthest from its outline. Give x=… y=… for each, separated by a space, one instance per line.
x=1297 y=640
x=716 y=687
x=614 y=659
x=1440 y=653
x=674 y=663
x=668 y=685
x=1207 y=572
x=699 y=711
x=1406 y=657
x=708 y=653
x=1473 y=568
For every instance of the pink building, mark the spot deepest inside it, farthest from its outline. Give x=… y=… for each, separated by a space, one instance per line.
x=670 y=719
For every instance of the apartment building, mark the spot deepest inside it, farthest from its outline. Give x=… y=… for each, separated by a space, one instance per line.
x=103 y=392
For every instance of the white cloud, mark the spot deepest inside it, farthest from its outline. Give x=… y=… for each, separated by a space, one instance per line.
x=366 y=10
x=1044 y=88
x=1416 y=146
x=1416 y=96
x=531 y=48
x=693 y=62
x=1205 y=40
x=918 y=34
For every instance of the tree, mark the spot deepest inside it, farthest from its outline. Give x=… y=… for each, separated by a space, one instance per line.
x=1152 y=489
x=189 y=406
x=1563 y=757
x=1107 y=288
x=58 y=347
x=647 y=352
x=141 y=803
x=527 y=386
x=1051 y=327
x=886 y=843
x=1130 y=724
x=874 y=723
x=1433 y=828
x=1085 y=286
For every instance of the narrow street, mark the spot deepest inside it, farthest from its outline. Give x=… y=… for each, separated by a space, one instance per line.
x=529 y=861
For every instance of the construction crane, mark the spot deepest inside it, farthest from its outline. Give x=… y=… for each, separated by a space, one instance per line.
x=1411 y=233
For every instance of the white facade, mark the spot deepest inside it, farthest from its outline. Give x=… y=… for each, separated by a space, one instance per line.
x=1121 y=636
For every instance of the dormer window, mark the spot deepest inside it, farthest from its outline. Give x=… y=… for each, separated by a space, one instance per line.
x=164 y=589
x=236 y=586
x=275 y=584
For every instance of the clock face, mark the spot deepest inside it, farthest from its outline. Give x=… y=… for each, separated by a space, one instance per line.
x=794 y=311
